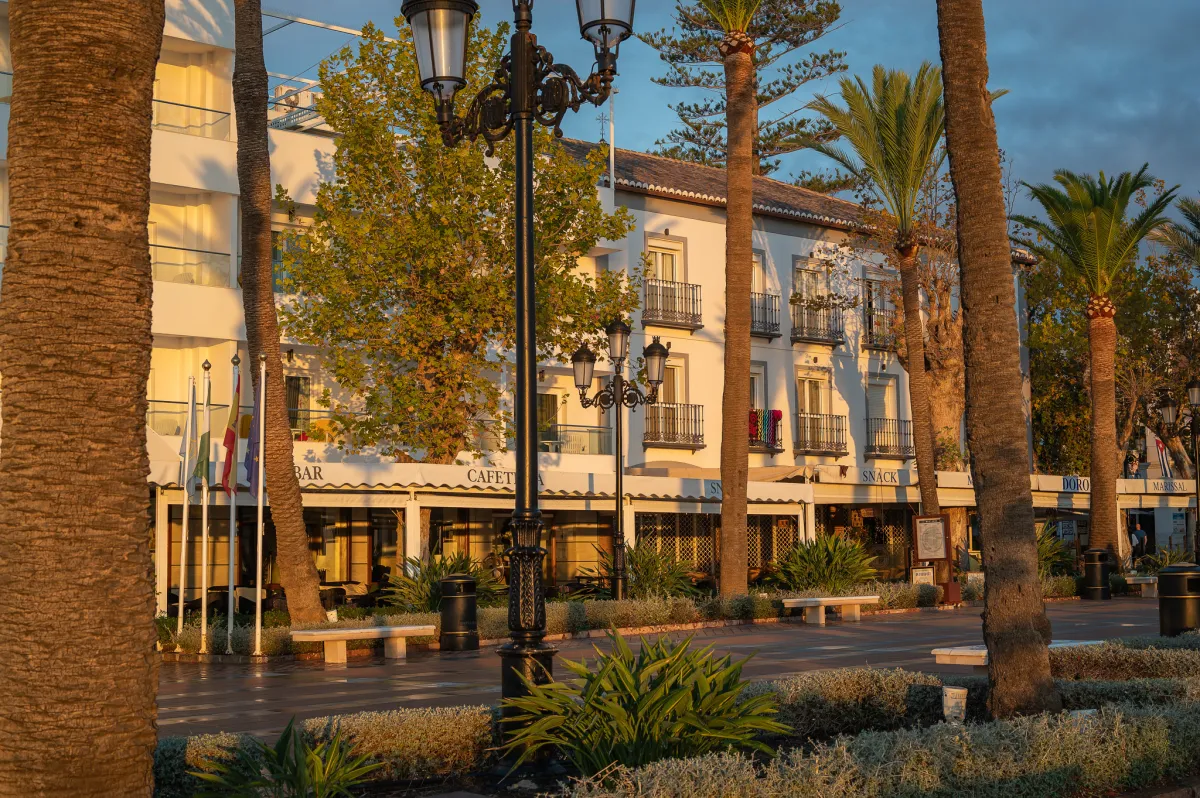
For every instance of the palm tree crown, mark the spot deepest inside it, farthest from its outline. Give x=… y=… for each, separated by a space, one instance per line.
x=1087 y=231
x=1183 y=239
x=731 y=15
x=894 y=127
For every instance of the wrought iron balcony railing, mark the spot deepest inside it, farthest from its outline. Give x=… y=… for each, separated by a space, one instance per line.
x=674 y=425
x=879 y=329
x=821 y=433
x=818 y=325
x=764 y=315
x=889 y=438
x=671 y=304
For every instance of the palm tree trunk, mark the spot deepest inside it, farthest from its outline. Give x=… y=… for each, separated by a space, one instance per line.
x=297 y=571
x=918 y=381
x=1015 y=627
x=77 y=712
x=742 y=120
x=1102 y=343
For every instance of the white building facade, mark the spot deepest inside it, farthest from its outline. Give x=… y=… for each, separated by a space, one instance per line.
x=830 y=431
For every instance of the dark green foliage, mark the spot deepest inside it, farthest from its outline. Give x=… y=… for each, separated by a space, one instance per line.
x=418 y=586
x=780 y=29
x=1054 y=559
x=666 y=701
x=1153 y=563
x=649 y=573
x=289 y=769
x=829 y=563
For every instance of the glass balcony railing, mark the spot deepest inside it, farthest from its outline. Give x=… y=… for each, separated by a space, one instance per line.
x=6 y=86
x=191 y=120
x=574 y=439
x=190 y=266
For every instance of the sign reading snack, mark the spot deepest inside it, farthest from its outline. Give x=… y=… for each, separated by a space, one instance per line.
x=931 y=537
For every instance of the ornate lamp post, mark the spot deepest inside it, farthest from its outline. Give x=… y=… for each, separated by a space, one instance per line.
x=527 y=87
x=619 y=393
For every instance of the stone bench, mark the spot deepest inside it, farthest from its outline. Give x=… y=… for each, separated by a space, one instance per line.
x=395 y=645
x=978 y=655
x=1149 y=585
x=849 y=608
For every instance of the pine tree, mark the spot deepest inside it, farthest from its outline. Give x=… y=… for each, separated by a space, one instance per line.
x=780 y=30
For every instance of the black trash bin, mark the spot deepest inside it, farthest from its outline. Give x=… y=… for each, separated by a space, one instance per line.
x=460 y=630
x=1095 y=575
x=1178 y=599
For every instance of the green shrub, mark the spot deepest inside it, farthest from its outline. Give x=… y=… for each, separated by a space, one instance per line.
x=419 y=743
x=649 y=573
x=1114 y=661
x=289 y=769
x=175 y=759
x=417 y=587
x=667 y=701
x=1054 y=559
x=1153 y=563
x=1118 y=585
x=1059 y=587
x=1115 y=750
x=739 y=608
x=972 y=589
x=829 y=562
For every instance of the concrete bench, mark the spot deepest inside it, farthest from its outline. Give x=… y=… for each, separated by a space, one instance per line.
x=978 y=655
x=395 y=645
x=1149 y=585
x=849 y=608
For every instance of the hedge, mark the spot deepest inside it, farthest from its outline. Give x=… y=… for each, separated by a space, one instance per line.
x=412 y=744
x=1117 y=748
x=562 y=617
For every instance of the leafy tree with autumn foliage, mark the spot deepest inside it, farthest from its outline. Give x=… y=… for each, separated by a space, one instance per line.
x=404 y=279
x=780 y=31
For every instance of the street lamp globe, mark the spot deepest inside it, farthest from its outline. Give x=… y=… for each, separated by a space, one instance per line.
x=584 y=364
x=655 y=356
x=605 y=23
x=618 y=340
x=440 y=29
x=1169 y=410
x=1193 y=389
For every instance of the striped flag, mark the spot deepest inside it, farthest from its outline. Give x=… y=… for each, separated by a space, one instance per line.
x=1164 y=460
x=228 y=473
x=204 y=452
x=252 y=451
x=187 y=446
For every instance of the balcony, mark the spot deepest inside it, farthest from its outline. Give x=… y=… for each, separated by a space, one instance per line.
x=190 y=266
x=169 y=418
x=821 y=433
x=818 y=325
x=674 y=426
x=889 y=439
x=766 y=431
x=879 y=329
x=190 y=120
x=671 y=304
x=764 y=315
x=574 y=439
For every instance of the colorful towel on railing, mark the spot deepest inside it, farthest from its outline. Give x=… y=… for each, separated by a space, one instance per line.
x=753 y=425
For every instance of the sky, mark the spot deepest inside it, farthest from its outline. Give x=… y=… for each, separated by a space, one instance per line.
x=1093 y=84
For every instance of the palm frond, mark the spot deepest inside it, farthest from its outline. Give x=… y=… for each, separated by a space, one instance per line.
x=1182 y=239
x=731 y=15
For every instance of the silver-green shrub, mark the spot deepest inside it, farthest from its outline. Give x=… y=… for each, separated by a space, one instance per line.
x=175 y=757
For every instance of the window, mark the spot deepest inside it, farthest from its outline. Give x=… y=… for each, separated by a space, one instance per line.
x=298 y=388
x=881 y=398
x=547 y=421
x=671 y=391
x=808 y=393
x=877 y=296
x=666 y=262
x=758 y=277
x=810 y=282
x=758 y=387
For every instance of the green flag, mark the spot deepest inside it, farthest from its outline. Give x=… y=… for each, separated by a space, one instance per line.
x=205 y=451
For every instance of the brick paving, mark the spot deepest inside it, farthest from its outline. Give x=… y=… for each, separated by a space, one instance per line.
x=198 y=698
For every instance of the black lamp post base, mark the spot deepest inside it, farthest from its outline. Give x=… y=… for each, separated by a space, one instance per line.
x=533 y=660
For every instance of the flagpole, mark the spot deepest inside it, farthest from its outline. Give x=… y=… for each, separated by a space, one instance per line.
x=206 y=440
x=262 y=417
x=186 y=478
x=231 y=457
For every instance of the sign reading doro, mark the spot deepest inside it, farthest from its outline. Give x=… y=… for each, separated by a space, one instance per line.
x=1076 y=485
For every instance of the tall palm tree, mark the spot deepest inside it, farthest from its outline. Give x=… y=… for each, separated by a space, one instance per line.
x=1089 y=235
x=297 y=571
x=741 y=115
x=1183 y=239
x=77 y=712
x=894 y=128
x=1015 y=627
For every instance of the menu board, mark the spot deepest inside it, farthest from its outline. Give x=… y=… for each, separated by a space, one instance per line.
x=922 y=576
x=930 y=537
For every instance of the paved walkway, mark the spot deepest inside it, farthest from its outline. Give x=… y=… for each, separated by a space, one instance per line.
x=197 y=698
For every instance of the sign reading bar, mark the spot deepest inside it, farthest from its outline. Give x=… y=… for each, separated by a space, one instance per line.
x=931 y=537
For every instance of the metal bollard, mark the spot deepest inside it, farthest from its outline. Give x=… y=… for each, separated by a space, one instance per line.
x=460 y=631
x=1178 y=599
x=1095 y=575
